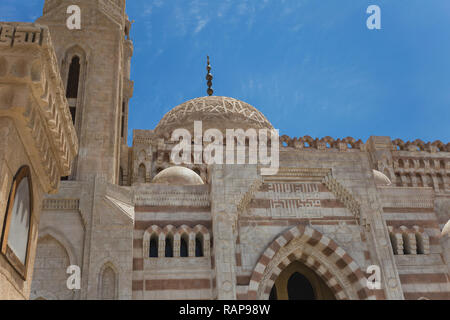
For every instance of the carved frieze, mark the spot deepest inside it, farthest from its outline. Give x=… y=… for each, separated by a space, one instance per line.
x=32 y=93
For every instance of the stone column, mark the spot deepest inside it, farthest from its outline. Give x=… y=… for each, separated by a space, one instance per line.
x=224 y=221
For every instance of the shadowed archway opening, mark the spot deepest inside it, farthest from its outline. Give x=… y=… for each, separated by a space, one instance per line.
x=299 y=282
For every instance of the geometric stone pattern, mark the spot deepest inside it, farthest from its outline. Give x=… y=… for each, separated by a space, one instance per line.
x=274 y=260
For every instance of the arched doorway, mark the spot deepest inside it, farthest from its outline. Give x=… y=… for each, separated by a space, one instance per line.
x=316 y=251
x=298 y=282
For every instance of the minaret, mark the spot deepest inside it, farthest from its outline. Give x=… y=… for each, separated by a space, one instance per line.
x=209 y=78
x=94 y=63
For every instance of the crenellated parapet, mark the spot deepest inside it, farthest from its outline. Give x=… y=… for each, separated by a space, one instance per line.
x=32 y=93
x=419 y=145
x=348 y=143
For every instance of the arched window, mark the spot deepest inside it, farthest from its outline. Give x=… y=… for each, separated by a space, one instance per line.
x=17 y=225
x=184 y=248
x=199 y=245
x=108 y=287
x=299 y=288
x=169 y=246
x=153 y=247
x=72 y=84
x=401 y=164
x=74 y=78
x=122 y=125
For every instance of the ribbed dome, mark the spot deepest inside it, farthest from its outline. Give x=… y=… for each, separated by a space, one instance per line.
x=179 y=176
x=215 y=112
x=381 y=179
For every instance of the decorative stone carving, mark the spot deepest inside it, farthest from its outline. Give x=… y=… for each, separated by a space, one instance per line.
x=215 y=112
x=343 y=195
x=32 y=93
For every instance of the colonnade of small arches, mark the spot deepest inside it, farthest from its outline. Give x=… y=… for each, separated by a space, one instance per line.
x=415 y=164
x=409 y=241
x=437 y=182
x=432 y=173
x=172 y=242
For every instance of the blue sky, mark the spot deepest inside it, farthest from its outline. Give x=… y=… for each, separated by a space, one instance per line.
x=312 y=67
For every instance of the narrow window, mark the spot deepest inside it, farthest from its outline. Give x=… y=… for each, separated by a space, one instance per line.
x=17 y=226
x=73 y=79
x=122 y=128
x=153 y=247
x=184 y=252
x=108 y=290
x=199 y=246
x=72 y=86
x=169 y=247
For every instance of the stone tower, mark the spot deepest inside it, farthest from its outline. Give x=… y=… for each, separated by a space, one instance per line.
x=94 y=62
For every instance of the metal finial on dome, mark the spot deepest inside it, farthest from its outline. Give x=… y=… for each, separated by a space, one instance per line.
x=209 y=78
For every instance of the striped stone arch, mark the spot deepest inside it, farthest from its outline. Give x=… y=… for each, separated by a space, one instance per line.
x=184 y=229
x=153 y=230
x=201 y=229
x=305 y=244
x=169 y=229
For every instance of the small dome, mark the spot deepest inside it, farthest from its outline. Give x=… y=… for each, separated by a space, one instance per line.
x=178 y=176
x=381 y=179
x=446 y=229
x=215 y=113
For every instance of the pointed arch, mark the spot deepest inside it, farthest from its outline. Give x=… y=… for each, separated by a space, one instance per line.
x=108 y=282
x=54 y=255
x=183 y=237
x=305 y=244
x=154 y=233
x=61 y=238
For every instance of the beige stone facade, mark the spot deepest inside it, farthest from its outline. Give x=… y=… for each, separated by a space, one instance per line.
x=36 y=136
x=334 y=208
